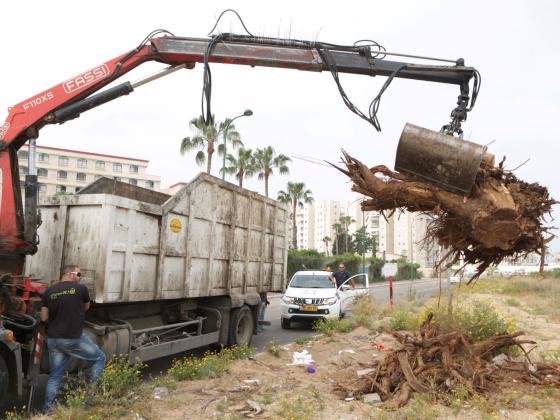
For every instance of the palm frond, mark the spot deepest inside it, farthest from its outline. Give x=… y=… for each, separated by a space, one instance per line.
x=200 y=158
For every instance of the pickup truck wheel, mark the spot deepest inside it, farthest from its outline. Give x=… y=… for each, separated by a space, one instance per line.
x=241 y=327
x=285 y=323
x=4 y=376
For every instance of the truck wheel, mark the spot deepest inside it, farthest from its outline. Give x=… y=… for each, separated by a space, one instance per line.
x=241 y=326
x=285 y=323
x=4 y=377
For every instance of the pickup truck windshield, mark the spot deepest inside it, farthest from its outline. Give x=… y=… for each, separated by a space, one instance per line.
x=311 y=281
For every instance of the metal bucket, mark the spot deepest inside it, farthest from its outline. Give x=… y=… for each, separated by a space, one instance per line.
x=446 y=161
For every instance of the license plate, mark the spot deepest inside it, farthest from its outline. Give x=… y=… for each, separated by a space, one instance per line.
x=311 y=308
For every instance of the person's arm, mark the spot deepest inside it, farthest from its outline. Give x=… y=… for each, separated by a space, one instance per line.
x=44 y=314
x=87 y=300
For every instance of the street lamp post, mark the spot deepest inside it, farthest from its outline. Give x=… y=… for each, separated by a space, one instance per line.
x=247 y=113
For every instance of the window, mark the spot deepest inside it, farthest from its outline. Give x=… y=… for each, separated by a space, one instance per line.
x=117 y=167
x=82 y=163
x=149 y=184
x=42 y=172
x=23 y=155
x=100 y=165
x=62 y=175
x=133 y=169
x=23 y=170
x=133 y=181
x=60 y=189
x=42 y=188
x=117 y=178
x=80 y=176
x=63 y=160
x=43 y=157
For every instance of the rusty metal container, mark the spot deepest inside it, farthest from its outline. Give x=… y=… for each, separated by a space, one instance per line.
x=443 y=160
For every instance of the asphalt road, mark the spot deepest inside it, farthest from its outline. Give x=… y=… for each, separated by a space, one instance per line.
x=379 y=292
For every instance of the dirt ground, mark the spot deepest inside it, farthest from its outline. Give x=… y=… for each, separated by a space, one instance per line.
x=273 y=388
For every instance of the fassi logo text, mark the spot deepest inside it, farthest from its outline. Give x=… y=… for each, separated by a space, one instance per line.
x=86 y=78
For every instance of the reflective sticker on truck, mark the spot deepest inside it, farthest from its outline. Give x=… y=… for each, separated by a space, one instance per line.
x=175 y=225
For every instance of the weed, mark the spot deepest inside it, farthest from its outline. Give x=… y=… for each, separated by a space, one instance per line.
x=295 y=408
x=165 y=381
x=211 y=365
x=548 y=415
x=267 y=399
x=479 y=320
x=119 y=377
x=274 y=348
x=330 y=326
x=512 y=302
x=303 y=340
x=418 y=408
x=15 y=414
x=403 y=319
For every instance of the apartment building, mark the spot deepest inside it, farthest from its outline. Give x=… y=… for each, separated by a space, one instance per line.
x=62 y=171
x=314 y=222
x=305 y=223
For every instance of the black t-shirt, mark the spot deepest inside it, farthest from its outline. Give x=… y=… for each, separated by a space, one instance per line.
x=65 y=301
x=341 y=277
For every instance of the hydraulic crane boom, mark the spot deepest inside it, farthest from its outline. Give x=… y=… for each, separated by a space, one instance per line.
x=67 y=100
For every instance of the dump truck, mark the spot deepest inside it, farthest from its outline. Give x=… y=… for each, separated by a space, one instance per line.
x=166 y=273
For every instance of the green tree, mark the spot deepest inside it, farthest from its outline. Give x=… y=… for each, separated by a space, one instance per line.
x=346 y=221
x=266 y=161
x=337 y=228
x=205 y=136
x=326 y=241
x=296 y=194
x=241 y=166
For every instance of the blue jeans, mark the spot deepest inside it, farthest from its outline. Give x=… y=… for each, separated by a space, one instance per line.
x=60 y=352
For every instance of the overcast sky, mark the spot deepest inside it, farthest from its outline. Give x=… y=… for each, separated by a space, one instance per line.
x=512 y=43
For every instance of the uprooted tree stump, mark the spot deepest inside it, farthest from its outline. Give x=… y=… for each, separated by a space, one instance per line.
x=502 y=216
x=435 y=361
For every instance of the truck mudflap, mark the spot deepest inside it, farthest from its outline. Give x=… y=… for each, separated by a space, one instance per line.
x=10 y=352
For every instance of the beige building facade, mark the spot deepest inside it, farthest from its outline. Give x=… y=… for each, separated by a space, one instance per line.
x=65 y=171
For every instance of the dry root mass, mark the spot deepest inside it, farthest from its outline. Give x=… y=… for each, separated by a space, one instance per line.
x=503 y=216
x=437 y=361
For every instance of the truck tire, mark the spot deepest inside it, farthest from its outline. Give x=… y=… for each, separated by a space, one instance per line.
x=4 y=376
x=285 y=323
x=241 y=326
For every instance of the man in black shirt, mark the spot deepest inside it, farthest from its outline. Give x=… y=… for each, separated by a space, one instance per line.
x=64 y=305
x=342 y=275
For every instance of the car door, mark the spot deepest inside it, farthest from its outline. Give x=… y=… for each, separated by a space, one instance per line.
x=348 y=294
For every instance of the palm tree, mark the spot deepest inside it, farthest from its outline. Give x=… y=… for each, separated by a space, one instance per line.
x=266 y=161
x=241 y=166
x=326 y=240
x=296 y=195
x=336 y=227
x=346 y=221
x=207 y=135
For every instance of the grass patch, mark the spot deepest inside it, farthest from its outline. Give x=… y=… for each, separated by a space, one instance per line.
x=541 y=294
x=303 y=340
x=211 y=365
x=274 y=348
x=479 y=320
x=512 y=302
x=329 y=327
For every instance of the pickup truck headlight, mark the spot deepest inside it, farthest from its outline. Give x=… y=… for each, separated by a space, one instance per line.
x=288 y=300
x=330 y=301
